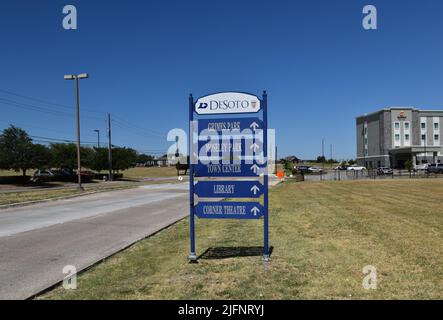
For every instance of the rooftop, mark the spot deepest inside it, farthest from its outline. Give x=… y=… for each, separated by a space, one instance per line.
x=396 y=108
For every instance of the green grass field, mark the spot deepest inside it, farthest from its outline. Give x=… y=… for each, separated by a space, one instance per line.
x=323 y=235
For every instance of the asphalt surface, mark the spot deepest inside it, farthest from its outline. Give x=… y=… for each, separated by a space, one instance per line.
x=38 y=241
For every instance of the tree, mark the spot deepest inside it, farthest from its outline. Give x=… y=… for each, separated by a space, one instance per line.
x=351 y=162
x=409 y=165
x=321 y=159
x=123 y=158
x=41 y=156
x=65 y=156
x=17 y=151
x=100 y=160
x=143 y=158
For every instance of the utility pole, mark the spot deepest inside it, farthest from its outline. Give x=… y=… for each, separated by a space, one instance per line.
x=98 y=138
x=110 y=178
x=77 y=109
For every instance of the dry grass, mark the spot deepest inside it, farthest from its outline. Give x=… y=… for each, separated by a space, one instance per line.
x=46 y=194
x=151 y=172
x=323 y=234
x=12 y=173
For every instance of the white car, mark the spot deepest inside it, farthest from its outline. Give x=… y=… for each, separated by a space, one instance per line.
x=423 y=166
x=356 y=168
x=315 y=170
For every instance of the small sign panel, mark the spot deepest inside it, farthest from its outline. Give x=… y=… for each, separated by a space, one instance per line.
x=229 y=170
x=229 y=210
x=218 y=126
x=227 y=102
x=230 y=189
x=234 y=146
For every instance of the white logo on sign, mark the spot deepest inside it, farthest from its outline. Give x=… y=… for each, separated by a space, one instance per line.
x=227 y=102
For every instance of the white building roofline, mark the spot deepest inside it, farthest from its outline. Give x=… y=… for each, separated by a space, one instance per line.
x=396 y=108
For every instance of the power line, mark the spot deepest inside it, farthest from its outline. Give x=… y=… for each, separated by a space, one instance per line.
x=135 y=128
x=22 y=124
x=33 y=107
x=47 y=102
x=61 y=140
x=119 y=122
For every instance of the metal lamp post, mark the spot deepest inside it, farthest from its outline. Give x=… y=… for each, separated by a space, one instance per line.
x=76 y=78
x=98 y=137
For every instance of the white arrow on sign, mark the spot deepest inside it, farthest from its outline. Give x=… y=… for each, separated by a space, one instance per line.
x=254 y=126
x=255 y=210
x=255 y=189
x=254 y=146
x=254 y=168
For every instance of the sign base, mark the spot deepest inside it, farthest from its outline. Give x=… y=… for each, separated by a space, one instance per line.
x=266 y=258
x=192 y=258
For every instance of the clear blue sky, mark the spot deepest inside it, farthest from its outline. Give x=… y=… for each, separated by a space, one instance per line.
x=319 y=66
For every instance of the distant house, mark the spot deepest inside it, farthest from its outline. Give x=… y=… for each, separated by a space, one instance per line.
x=292 y=159
x=162 y=161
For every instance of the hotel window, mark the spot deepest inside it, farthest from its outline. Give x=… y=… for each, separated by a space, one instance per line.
x=423 y=137
x=436 y=125
x=397 y=126
x=423 y=125
x=436 y=137
x=406 y=124
x=397 y=137
x=407 y=137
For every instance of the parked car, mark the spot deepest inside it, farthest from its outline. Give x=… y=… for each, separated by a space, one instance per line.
x=421 y=167
x=86 y=175
x=356 y=168
x=315 y=170
x=384 y=170
x=302 y=169
x=435 y=168
x=341 y=168
x=63 y=174
x=43 y=175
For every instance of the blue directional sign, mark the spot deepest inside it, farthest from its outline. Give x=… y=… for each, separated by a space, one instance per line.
x=229 y=170
x=229 y=210
x=239 y=147
x=217 y=126
x=229 y=148
x=231 y=189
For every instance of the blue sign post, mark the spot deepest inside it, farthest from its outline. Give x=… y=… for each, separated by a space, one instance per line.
x=228 y=147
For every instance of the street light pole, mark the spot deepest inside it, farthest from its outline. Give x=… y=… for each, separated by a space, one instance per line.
x=110 y=177
x=98 y=138
x=77 y=109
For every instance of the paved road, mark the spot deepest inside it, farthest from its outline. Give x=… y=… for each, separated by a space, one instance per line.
x=37 y=241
